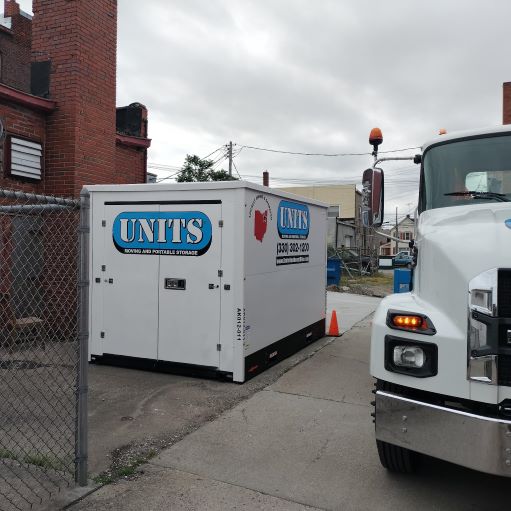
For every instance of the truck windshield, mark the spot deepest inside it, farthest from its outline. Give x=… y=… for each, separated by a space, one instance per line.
x=467 y=172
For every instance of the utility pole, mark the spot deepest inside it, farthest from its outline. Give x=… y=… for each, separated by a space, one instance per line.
x=230 y=158
x=397 y=235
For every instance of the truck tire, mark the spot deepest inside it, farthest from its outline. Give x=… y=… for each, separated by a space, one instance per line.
x=395 y=459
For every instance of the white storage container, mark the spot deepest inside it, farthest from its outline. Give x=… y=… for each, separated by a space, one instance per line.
x=228 y=277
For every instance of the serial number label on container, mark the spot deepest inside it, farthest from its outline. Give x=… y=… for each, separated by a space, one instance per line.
x=292 y=253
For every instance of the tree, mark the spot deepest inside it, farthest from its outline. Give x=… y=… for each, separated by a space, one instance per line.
x=196 y=169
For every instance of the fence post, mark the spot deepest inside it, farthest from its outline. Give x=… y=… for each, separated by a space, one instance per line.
x=81 y=447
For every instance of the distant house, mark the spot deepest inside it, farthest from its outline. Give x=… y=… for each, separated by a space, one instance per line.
x=405 y=233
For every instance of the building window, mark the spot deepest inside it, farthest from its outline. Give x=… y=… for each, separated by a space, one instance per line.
x=23 y=158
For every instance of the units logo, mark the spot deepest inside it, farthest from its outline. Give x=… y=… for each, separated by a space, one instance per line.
x=508 y=223
x=260 y=211
x=293 y=220
x=181 y=233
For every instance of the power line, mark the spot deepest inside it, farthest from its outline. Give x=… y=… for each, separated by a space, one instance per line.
x=324 y=154
x=213 y=152
x=219 y=162
x=161 y=166
x=236 y=169
x=320 y=182
x=167 y=177
x=170 y=168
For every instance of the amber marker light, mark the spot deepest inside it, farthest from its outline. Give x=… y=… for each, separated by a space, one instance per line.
x=413 y=322
x=442 y=131
x=375 y=137
x=409 y=322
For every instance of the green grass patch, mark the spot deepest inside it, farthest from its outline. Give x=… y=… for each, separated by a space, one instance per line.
x=378 y=279
x=103 y=479
x=127 y=470
x=5 y=454
x=45 y=461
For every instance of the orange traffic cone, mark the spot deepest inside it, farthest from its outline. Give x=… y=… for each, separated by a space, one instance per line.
x=333 y=331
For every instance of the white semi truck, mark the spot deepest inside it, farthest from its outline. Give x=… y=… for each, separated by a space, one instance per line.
x=441 y=354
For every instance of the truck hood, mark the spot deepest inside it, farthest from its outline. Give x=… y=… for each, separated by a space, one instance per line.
x=455 y=244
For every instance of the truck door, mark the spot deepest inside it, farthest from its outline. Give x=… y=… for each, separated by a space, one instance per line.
x=189 y=285
x=130 y=290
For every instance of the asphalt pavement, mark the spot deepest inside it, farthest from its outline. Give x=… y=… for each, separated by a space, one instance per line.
x=305 y=441
x=133 y=413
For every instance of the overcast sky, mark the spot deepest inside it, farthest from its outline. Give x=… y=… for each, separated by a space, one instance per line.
x=311 y=76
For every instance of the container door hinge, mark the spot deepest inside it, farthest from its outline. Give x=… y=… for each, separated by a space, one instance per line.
x=102 y=335
x=103 y=223
x=219 y=347
x=220 y=223
x=220 y=273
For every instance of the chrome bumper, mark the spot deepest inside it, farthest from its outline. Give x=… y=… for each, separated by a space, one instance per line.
x=473 y=441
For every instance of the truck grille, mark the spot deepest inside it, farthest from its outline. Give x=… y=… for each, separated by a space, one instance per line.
x=504 y=293
x=504 y=370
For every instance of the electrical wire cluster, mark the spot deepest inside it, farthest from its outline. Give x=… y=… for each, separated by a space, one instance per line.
x=333 y=155
x=221 y=155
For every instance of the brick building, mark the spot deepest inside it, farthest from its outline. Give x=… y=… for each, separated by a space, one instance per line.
x=59 y=130
x=57 y=100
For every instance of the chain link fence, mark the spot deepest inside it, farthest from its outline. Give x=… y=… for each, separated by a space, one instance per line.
x=43 y=357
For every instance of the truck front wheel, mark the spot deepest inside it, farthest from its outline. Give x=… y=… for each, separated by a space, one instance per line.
x=393 y=458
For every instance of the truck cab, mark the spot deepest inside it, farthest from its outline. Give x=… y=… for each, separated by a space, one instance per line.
x=441 y=353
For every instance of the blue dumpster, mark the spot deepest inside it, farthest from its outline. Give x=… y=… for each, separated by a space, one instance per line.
x=333 y=271
x=402 y=280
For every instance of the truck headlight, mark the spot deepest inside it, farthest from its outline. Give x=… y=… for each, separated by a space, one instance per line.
x=409 y=356
x=414 y=358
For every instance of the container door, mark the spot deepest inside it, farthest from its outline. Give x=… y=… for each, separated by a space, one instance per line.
x=129 y=279
x=189 y=287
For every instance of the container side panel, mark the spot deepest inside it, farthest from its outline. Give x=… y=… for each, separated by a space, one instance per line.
x=281 y=232
x=282 y=303
x=284 y=267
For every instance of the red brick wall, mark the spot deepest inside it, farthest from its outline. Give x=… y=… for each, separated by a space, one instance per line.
x=130 y=164
x=506 y=106
x=15 y=47
x=26 y=123
x=81 y=132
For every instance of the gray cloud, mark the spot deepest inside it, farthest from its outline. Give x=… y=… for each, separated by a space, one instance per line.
x=311 y=76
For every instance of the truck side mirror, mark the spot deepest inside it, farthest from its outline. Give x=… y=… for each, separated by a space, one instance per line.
x=372 y=197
